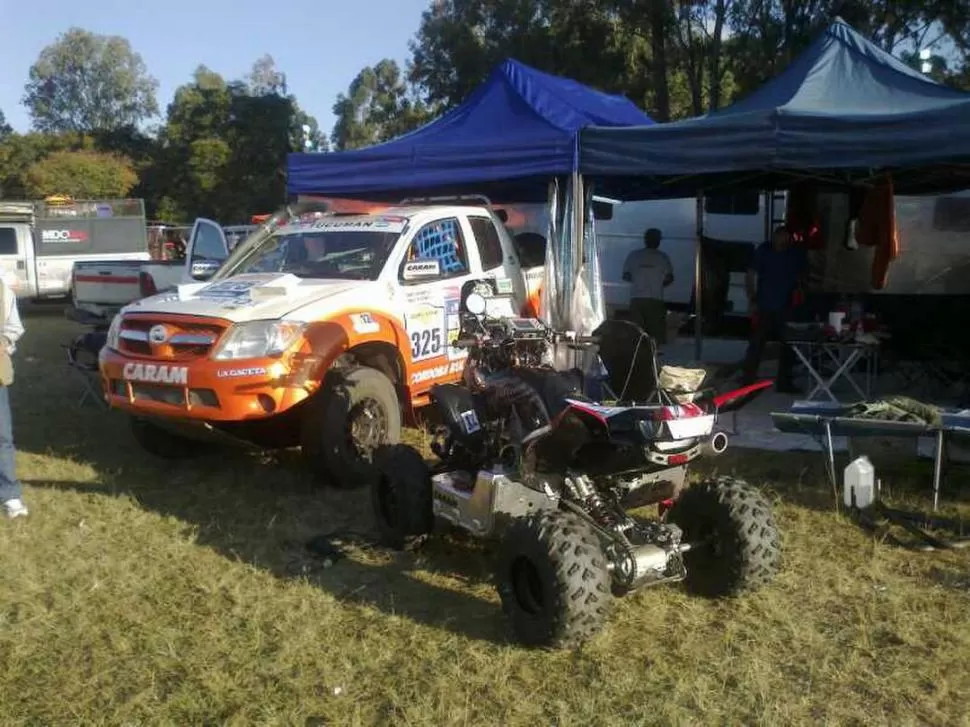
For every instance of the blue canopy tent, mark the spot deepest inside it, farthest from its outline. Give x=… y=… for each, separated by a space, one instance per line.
x=514 y=139
x=843 y=111
x=510 y=136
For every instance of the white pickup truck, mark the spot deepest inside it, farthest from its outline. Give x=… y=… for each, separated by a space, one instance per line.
x=40 y=242
x=100 y=288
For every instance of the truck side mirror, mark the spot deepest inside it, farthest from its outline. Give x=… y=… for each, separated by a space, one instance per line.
x=203 y=270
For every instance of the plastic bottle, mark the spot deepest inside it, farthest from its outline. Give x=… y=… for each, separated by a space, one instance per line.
x=859 y=483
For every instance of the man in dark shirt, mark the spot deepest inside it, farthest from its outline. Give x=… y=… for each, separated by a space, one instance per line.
x=777 y=270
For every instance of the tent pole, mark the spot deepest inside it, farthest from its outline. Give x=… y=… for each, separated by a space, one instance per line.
x=698 y=308
x=579 y=199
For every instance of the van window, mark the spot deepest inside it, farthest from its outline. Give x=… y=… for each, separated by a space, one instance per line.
x=740 y=203
x=8 y=241
x=489 y=244
x=952 y=214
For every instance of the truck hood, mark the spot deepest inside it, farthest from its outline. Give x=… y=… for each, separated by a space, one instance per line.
x=256 y=296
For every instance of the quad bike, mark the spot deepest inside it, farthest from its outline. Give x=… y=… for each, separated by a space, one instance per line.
x=527 y=459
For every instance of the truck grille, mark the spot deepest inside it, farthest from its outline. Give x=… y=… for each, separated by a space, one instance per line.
x=169 y=340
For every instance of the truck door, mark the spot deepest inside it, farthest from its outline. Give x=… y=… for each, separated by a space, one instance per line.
x=500 y=263
x=207 y=251
x=435 y=266
x=15 y=257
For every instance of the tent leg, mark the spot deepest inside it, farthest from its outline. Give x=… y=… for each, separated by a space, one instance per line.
x=698 y=308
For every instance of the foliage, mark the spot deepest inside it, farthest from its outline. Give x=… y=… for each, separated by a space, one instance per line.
x=87 y=82
x=376 y=108
x=82 y=175
x=5 y=129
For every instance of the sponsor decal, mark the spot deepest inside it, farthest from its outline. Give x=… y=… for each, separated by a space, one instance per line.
x=236 y=373
x=61 y=236
x=234 y=293
x=437 y=372
x=421 y=269
x=469 y=421
x=156 y=373
x=365 y=323
x=503 y=286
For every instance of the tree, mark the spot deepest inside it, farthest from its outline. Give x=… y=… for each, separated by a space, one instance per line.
x=82 y=175
x=224 y=145
x=377 y=107
x=19 y=152
x=5 y=129
x=86 y=82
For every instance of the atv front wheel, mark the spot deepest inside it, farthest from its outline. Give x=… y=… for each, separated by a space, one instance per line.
x=553 y=580
x=401 y=495
x=734 y=540
x=355 y=413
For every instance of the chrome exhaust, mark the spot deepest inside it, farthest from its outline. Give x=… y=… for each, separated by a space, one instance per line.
x=715 y=445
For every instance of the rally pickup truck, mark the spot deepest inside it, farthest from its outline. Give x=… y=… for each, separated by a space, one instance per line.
x=100 y=288
x=320 y=330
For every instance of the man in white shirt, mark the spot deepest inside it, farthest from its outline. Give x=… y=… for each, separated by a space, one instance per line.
x=11 y=329
x=649 y=271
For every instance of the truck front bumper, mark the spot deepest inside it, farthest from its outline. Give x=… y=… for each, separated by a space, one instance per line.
x=202 y=389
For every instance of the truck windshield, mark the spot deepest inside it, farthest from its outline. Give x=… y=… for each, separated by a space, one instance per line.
x=335 y=250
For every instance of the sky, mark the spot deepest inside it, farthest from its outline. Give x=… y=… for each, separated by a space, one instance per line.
x=320 y=45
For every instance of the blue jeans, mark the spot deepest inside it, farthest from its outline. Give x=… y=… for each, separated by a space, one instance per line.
x=9 y=486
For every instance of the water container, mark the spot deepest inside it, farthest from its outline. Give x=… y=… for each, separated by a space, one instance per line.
x=859 y=483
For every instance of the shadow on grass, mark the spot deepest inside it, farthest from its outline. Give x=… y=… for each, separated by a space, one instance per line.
x=264 y=509
x=259 y=509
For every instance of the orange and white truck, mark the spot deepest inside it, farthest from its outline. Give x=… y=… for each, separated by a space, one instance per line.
x=320 y=330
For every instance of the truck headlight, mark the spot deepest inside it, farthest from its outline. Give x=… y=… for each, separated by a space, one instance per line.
x=258 y=339
x=113 y=341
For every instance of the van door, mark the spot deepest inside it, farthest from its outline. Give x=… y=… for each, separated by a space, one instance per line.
x=14 y=257
x=207 y=251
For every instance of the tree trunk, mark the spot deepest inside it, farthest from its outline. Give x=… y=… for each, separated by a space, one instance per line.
x=658 y=48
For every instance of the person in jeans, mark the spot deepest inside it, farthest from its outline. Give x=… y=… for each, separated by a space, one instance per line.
x=777 y=270
x=649 y=271
x=11 y=329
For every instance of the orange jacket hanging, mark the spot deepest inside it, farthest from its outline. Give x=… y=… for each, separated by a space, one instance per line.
x=876 y=228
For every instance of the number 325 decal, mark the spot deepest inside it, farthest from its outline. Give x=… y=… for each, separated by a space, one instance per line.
x=425 y=343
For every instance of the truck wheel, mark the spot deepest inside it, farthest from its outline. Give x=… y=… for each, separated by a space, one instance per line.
x=162 y=443
x=734 y=541
x=553 y=580
x=401 y=495
x=356 y=413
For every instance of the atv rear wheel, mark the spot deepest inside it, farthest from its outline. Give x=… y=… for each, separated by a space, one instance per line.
x=401 y=495
x=734 y=540
x=355 y=413
x=160 y=442
x=553 y=580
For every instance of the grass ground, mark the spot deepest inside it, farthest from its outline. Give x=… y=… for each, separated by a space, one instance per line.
x=141 y=592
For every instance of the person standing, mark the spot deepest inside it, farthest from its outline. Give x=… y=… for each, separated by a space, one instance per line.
x=649 y=271
x=776 y=271
x=11 y=329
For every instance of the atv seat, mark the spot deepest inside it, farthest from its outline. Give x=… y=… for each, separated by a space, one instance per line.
x=633 y=375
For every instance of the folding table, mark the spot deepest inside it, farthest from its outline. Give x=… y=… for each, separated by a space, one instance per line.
x=823 y=419
x=844 y=354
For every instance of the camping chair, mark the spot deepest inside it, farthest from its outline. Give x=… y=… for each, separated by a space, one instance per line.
x=82 y=357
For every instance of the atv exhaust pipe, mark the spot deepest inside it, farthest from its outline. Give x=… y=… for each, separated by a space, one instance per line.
x=715 y=445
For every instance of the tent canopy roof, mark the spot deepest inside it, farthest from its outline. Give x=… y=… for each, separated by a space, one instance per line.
x=843 y=110
x=521 y=124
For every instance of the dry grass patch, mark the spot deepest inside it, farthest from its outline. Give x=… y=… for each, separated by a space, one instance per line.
x=141 y=592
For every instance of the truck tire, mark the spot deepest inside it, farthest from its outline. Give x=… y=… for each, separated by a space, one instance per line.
x=401 y=496
x=553 y=581
x=735 y=542
x=162 y=443
x=355 y=414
